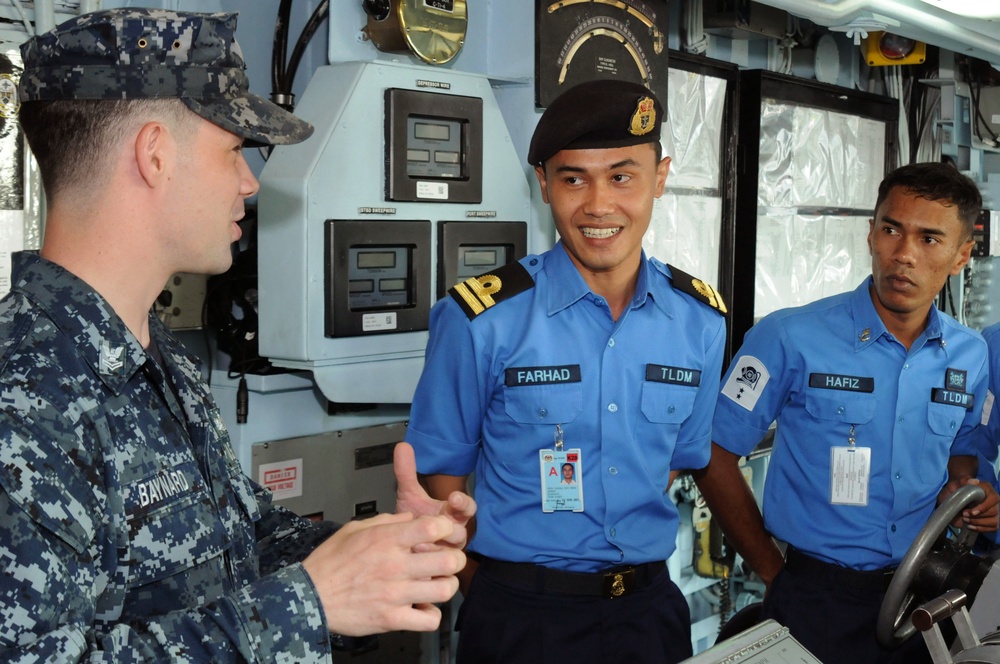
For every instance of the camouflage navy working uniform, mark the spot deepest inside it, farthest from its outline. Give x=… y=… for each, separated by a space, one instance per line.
x=126 y=524
x=127 y=530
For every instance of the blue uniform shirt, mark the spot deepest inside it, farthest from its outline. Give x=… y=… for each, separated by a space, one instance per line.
x=991 y=412
x=823 y=367
x=475 y=409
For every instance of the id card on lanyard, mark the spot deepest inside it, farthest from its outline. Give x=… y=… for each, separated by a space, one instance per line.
x=850 y=471
x=561 y=477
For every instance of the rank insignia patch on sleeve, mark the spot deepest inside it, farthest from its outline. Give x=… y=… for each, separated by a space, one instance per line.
x=477 y=294
x=698 y=289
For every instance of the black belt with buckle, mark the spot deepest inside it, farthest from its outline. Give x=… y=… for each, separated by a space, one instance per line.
x=876 y=580
x=610 y=583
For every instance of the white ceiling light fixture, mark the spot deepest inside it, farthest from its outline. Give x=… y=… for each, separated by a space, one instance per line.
x=972 y=8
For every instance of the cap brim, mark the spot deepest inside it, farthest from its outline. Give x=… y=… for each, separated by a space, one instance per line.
x=256 y=119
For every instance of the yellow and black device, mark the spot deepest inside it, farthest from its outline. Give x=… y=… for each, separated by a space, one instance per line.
x=713 y=557
x=882 y=49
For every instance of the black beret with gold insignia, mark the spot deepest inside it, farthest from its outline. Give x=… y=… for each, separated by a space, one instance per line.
x=605 y=113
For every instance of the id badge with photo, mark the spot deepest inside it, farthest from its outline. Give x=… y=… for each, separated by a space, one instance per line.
x=850 y=471
x=562 y=480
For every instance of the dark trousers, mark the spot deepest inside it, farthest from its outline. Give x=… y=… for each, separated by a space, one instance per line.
x=835 y=623
x=503 y=624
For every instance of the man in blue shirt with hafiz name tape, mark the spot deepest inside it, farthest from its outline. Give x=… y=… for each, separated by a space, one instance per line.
x=991 y=411
x=877 y=396
x=592 y=355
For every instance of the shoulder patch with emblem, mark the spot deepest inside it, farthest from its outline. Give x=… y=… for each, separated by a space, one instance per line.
x=477 y=294
x=697 y=289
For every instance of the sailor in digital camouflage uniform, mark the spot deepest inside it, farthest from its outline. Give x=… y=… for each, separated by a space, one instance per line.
x=590 y=354
x=877 y=396
x=128 y=532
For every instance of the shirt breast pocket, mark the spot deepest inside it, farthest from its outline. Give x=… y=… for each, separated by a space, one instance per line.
x=837 y=411
x=943 y=422
x=841 y=406
x=171 y=528
x=664 y=408
x=543 y=405
x=667 y=404
x=553 y=404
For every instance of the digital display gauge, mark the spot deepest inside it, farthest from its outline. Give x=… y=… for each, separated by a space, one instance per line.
x=582 y=40
x=379 y=278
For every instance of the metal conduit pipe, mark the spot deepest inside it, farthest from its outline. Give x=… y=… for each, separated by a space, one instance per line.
x=45 y=16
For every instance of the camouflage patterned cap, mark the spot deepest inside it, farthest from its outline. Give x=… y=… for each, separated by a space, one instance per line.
x=132 y=53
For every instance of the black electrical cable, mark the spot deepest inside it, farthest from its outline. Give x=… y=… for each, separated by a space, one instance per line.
x=914 y=106
x=312 y=25
x=974 y=100
x=979 y=114
x=206 y=337
x=949 y=300
x=280 y=48
x=975 y=87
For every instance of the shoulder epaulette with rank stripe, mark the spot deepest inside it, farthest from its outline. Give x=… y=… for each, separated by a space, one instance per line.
x=697 y=289
x=477 y=294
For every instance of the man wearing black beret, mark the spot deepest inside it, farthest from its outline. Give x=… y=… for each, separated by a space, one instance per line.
x=590 y=354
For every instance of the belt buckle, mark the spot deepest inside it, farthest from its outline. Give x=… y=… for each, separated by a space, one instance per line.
x=618 y=584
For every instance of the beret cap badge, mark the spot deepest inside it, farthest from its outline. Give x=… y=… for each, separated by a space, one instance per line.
x=597 y=115
x=644 y=118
